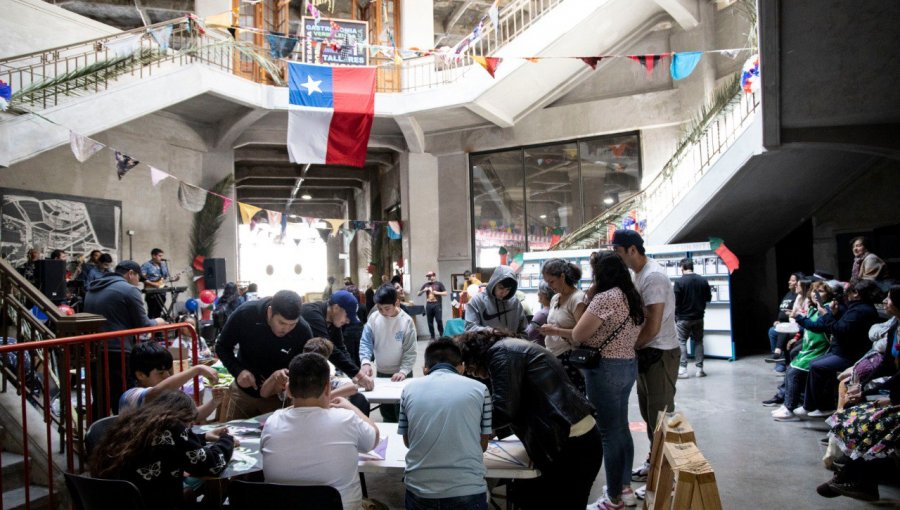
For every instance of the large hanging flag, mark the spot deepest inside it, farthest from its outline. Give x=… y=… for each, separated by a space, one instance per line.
x=334 y=118
x=728 y=257
x=683 y=64
x=83 y=147
x=124 y=163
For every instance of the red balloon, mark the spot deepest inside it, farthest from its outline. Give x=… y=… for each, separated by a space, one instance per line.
x=207 y=296
x=66 y=309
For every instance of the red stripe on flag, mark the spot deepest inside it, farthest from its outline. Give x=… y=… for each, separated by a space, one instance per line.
x=354 y=109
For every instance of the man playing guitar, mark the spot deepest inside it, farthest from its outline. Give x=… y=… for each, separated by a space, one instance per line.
x=155 y=273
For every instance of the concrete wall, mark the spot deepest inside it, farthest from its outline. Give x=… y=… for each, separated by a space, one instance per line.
x=29 y=26
x=152 y=212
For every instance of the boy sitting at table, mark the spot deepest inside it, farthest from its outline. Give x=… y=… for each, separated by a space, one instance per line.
x=341 y=385
x=341 y=433
x=389 y=338
x=151 y=366
x=445 y=420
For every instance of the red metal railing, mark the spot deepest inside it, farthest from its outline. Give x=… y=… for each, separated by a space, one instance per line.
x=75 y=361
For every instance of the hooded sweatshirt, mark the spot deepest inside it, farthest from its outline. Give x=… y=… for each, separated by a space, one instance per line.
x=120 y=302
x=486 y=311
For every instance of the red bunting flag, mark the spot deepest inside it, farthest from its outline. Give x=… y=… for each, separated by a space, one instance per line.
x=649 y=61
x=591 y=61
x=728 y=257
x=489 y=64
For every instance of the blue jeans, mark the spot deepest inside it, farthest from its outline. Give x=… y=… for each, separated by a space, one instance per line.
x=608 y=388
x=473 y=502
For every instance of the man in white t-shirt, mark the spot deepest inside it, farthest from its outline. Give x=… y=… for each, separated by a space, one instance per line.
x=657 y=343
x=318 y=441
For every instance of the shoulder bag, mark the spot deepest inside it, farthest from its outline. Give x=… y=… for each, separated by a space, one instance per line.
x=589 y=357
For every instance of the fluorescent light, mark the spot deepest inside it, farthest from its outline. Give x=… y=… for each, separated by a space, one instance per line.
x=608 y=200
x=306 y=196
x=543 y=216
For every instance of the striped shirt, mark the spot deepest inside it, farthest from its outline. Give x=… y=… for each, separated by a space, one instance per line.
x=444 y=415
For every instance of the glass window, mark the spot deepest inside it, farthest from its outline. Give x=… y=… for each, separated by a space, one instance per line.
x=498 y=202
x=610 y=171
x=554 y=196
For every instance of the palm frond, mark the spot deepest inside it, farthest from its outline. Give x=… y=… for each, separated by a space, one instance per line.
x=208 y=221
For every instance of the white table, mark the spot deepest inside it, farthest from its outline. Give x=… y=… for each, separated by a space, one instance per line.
x=386 y=391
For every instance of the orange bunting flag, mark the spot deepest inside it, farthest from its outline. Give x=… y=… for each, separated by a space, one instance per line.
x=591 y=61
x=533 y=60
x=489 y=64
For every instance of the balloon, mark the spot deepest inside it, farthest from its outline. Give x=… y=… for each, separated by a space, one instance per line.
x=191 y=305
x=66 y=309
x=750 y=75
x=207 y=296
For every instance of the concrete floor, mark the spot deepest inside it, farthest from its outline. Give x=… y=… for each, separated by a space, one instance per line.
x=759 y=463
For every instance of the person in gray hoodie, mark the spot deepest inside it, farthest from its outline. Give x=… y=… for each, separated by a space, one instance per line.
x=497 y=307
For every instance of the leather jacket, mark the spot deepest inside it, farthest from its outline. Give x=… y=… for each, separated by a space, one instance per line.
x=533 y=398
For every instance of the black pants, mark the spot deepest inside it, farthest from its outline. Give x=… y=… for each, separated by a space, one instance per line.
x=156 y=303
x=433 y=313
x=565 y=483
x=390 y=413
x=116 y=389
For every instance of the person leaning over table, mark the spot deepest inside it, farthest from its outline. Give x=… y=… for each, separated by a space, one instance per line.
x=269 y=333
x=533 y=399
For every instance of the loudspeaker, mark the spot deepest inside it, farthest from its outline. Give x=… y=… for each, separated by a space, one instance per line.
x=214 y=273
x=50 y=277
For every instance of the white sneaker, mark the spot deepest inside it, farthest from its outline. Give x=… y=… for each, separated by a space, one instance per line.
x=639 y=474
x=779 y=410
x=627 y=495
x=820 y=414
x=682 y=373
x=784 y=414
x=641 y=492
x=800 y=412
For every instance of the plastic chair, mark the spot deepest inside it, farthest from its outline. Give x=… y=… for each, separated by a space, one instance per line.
x=100 y=494
x=244 y=495
x=96 y=432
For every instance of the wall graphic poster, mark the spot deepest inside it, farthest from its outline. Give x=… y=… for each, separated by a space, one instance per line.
x=351 y=36
x=50 y=221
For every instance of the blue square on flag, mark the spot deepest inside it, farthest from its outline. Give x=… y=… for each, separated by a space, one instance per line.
x=310 y=85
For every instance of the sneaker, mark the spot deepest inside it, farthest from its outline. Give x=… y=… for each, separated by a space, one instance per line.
x=641 y=492
x=826 y=491
x=784 y=414
x=700 y=373
x=778 y=358
x=605 y=503
x=627 y=496
x=866 y=491
x=682 y=372
x=774 y=401
x=639 y=474
x=778 y=410
x=779 y=368
x=800 y=412
x=820 y=414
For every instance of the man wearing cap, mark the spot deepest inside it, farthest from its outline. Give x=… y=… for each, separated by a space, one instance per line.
x=657 y=345
x=326 y=318
x=268 y=333
x=116 y=297
x=434 y=293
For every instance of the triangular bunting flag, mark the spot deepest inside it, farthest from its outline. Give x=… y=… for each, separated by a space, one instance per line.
x=297 y=242
x=591 y=61
x=324 y=233
x=533 y=60
x=274 y=218
x=732 y=54
x=649 y=61
x=157 y=175
x=283 y=224
x=247 y=212
x=683 y=64
x=494 y=14
x=310 y=221
x=190 y=197
x=488 y=63
x=124 y=47
x=83 y=147
x=162 y=36
x=124 y=163
x=393 y=230
x=728 y=257
x=336 y=225
x=348 y=233
x=221 y=20
x=226 y=204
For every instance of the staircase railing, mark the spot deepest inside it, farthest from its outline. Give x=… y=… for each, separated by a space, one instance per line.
x=691 y=161
x=80 y=365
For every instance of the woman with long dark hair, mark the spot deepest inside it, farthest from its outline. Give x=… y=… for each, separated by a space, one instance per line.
x=534 y=400
x=611 y=325
x=153 y=445
x=566 y=308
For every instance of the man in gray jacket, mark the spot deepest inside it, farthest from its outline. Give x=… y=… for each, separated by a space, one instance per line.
x=497 y=307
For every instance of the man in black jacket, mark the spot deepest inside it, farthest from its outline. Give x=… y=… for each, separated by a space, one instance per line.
x=326 y=318
x=270 y=333
x=692 y=292
x=116 y=297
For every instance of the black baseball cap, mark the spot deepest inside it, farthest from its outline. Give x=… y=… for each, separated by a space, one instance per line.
x=128 y=265
x=627 y=238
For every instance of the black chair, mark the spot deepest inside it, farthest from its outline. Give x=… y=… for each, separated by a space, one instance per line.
x=253 y=495
x=100 y=494
x=96 y=432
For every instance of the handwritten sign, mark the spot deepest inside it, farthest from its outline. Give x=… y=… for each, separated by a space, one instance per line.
x=335 y=41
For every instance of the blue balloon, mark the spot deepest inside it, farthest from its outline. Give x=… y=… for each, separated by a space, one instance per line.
x=192 y=305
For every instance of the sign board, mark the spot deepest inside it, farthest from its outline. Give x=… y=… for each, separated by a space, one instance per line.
x=351 y=35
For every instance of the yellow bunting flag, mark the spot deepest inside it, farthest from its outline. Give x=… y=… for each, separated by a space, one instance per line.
x=248 y=212
x=336 y=225
x=221 y=20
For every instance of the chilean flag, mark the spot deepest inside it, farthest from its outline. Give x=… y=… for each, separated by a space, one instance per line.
x=332 y=122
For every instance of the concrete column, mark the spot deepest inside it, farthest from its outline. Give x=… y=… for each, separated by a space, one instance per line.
x=416 y=24
x=419 y=193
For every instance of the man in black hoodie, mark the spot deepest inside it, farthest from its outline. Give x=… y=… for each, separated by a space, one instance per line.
x=116 y=297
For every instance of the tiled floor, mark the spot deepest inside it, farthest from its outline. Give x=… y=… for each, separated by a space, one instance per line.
x=759 y=463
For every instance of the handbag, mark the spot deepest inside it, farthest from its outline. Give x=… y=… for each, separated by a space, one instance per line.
x=589 y=357
x=647 y=357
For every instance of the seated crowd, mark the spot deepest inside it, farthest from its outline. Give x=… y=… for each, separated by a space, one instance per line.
x=841 y=362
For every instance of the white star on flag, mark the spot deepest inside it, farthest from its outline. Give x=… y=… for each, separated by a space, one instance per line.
x=311 y=85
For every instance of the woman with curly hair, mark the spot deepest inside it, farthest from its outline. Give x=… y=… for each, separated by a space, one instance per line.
x=566 y=308
x=153 y=445
x=611 y=325
x=534 y=400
